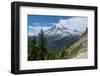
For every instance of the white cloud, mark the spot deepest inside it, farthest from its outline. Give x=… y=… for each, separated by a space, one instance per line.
x=34 y=30
x=79 y=23
x=30 y=27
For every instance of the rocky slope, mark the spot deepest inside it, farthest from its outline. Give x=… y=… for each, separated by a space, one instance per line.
x=79 y=49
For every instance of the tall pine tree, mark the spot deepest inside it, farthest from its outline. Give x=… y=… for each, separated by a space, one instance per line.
x=42 y=45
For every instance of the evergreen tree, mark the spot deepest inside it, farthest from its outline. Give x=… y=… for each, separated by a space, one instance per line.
x=32 y=50
x=86 y=30
x=42 y=45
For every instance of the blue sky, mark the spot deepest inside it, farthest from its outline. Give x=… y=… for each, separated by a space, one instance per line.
x=45 y=20
x=38 y=22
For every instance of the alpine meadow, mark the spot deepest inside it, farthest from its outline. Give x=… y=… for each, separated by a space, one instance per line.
x=57 y=37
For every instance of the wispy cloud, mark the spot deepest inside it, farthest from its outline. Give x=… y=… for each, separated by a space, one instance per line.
x=34 y=30
x=78 y=23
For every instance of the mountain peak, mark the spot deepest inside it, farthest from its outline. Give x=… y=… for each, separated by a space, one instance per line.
x=60 y=26
x=60 y=31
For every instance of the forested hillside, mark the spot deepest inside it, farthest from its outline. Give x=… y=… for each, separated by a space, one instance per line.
x=37 y=49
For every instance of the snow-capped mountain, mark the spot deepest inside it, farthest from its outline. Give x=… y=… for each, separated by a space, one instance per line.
x=61 y=31
x=60 y=36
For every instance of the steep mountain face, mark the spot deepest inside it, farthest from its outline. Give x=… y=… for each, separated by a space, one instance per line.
x=60 y=36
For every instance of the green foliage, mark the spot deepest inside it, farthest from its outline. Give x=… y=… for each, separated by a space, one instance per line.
x=64 y=53
x=33 y=51
x=73 y=52
x=37 y=50
x=42 y=45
